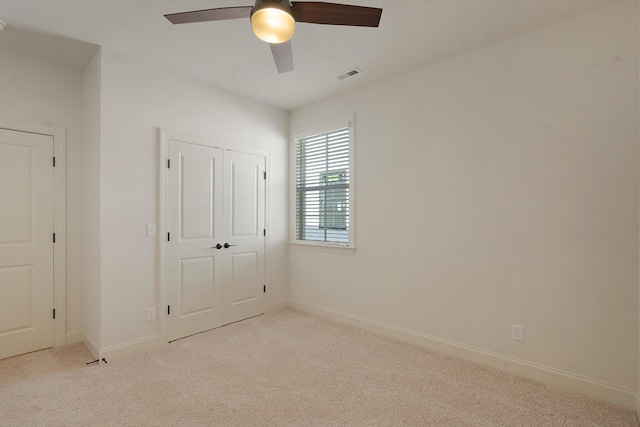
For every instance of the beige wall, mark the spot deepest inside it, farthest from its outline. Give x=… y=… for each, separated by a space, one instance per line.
x=494 y=188
x=136 y=100
x=35 y=92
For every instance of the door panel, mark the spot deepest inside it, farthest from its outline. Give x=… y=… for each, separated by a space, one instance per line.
x=26 y=242
x=197 y=216
x=245 y=213
x=244 y=275
x=15 y=304
x=15 y=164
x=245 y=198
x=194 y=267
x=196 y=292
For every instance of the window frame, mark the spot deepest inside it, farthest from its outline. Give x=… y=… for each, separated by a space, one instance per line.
x=305 y=132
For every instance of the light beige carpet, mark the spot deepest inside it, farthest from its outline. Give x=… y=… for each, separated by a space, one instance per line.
x=283 y=369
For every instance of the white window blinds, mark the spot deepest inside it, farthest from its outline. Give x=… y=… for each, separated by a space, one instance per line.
x=322 y=187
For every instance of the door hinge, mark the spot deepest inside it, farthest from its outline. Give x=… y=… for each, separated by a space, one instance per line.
x=54 y=237
x=168 y=237
x=265 y=174
x=264 y=289
x=54 y=313
x=264 y=232
x=54 y=162
x=168 y=310
x=168 y=163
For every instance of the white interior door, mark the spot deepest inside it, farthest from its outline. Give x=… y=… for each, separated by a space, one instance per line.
x=26 y=242
x=244 y=209
x=195 y=224
x=215 y=249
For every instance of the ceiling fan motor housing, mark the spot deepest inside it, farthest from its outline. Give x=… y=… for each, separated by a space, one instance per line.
x=272 y=20
x=272 y=3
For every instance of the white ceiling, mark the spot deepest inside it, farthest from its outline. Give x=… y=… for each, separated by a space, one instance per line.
x=412 y=33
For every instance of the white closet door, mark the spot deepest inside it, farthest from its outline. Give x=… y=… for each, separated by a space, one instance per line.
x=195 y=224
x=215 y=248
x=26 y=242
x=244 y=211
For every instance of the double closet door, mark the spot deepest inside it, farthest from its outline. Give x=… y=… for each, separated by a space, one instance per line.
x=216 y=242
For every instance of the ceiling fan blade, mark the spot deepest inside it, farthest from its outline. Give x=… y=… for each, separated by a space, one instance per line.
x=283 y=56
x=219 y=14
x=336 y=14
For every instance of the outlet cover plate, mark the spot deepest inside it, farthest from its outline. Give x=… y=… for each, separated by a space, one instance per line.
x=517 y=332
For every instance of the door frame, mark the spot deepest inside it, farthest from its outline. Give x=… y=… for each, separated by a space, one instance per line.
x=164 y=136
x=59 y=136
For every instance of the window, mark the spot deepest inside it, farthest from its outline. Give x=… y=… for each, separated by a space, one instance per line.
x=323 y=187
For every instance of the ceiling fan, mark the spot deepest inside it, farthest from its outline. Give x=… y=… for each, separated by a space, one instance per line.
x=273 y=21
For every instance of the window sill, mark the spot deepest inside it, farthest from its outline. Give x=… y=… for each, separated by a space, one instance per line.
x=322 y=248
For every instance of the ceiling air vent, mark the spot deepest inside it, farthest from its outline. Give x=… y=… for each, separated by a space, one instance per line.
x=350 y=73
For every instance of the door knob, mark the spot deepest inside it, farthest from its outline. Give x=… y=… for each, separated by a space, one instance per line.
x=218 y=246
x=227 y=246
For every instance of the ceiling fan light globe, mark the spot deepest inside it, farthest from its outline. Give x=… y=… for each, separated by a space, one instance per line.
x=273 y=25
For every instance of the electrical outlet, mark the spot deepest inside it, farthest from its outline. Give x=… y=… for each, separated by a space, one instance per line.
x=151 y=314
x=517 y=332
x=325 y=291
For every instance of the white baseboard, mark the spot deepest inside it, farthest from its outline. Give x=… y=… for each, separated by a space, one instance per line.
x=88 y=342
x=73 y=337
x=131 y=347
x=588 y=386
x=278 y=305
